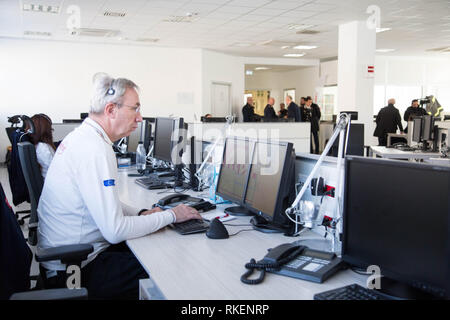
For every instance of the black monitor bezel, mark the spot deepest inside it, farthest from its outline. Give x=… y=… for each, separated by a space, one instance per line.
x=273 y=217
x=225 y=196
x=177 y=123
x=358 y=262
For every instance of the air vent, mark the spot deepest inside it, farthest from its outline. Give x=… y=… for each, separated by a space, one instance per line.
x=307 y=32
x=114 y=14
x=37 y=33
x=189 y=17
x=86 y=32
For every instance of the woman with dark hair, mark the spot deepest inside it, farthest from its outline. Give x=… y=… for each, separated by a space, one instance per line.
x=42 y=138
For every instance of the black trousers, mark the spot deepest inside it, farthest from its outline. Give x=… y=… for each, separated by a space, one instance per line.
x=315 y=136
x=382 y=141
x=113 y=274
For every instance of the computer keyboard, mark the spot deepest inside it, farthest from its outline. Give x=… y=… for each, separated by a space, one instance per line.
x=153 y=183
x=190 y=226
x=351 y=292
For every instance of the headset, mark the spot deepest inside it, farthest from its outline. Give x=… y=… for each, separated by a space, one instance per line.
x=111 y=91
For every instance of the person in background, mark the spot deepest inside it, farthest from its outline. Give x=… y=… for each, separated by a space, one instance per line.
x=388 y=119
x=248 y=111
x=293 y=109
x=42 y=138
x=282 y=114
x=413 y=111
x=269 y=111
x=208 y=115
x=311 y=113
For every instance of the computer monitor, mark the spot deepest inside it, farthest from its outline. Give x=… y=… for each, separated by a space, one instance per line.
x=133 y=139
x=404 y=233
x=169 y=139
x=271 y=184
x=213 y=119
x=233 y=175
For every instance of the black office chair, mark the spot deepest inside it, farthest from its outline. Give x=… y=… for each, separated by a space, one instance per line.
x=68 y=254
x=16 y=134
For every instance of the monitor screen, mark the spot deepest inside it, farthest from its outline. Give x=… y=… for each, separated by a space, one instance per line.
x=264 y=181
x=396 y=216
x=162 y=150
x=233 y=175
x=428 y=124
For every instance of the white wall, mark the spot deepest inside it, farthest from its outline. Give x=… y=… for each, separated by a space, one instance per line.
x=55 y=78
x=222 y=68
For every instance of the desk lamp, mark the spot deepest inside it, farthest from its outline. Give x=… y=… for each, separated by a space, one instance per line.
x=306 y=212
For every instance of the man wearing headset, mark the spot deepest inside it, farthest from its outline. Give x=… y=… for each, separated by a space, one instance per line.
x=80 y=202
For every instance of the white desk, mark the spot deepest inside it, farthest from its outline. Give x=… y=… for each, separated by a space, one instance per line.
x=196 y=267
x=393 y=153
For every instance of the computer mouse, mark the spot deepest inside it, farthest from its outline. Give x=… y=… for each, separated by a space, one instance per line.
x=217 y=230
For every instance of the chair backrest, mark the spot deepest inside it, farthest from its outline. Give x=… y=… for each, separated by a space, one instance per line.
x=15 y=255
x=35 y=183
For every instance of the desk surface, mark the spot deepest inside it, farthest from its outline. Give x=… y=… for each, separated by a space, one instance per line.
x=196 y=267
x=394 y=153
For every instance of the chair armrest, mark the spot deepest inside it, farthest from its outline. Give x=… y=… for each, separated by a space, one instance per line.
x=70 y=254
x=52 y=294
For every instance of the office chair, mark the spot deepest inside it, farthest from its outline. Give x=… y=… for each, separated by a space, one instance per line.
x=68 y=254
x=17 y=134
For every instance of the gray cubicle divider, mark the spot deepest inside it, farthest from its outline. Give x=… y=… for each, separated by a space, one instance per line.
x=61 y=130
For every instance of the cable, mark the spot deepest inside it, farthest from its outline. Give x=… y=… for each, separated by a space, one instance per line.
x=359 y=271
x=237 y=225
x=241 y=231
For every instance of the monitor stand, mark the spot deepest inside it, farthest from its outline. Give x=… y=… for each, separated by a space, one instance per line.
x=397 y=289
x=238 y=211
x=262 y=225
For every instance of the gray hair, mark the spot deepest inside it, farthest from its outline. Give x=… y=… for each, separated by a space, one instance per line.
x=108 y=90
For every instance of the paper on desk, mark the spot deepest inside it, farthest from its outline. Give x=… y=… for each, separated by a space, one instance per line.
x=221 y=215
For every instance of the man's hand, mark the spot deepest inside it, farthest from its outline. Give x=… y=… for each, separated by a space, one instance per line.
x=156 y=209
x=184 y=213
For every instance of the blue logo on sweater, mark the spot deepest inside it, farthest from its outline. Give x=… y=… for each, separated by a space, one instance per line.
x=108 y=183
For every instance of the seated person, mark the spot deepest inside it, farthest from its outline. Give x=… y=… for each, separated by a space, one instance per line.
x=42 y=138
x=80 y=200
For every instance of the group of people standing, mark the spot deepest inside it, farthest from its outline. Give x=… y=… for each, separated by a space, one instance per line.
x=388 y=119
x=306 y=112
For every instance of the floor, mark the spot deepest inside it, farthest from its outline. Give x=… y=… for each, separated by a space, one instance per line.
x=4 y=180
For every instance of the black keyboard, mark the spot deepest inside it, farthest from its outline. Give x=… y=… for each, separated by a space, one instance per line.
x=351 y=292
x=153 y=183
x=190 y=226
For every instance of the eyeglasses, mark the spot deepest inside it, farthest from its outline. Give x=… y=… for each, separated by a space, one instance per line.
x=136 y=109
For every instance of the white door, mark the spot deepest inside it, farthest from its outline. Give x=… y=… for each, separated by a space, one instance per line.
x=220 y=99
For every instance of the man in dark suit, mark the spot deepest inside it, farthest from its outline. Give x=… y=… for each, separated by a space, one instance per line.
x=269 y=111
x=413 y=111
x=311 y=113
x=293 y=109
x=248 y=111
x=388 y=119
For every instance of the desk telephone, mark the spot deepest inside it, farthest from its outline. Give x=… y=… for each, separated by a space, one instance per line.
x=295 y=261
x=175 y=199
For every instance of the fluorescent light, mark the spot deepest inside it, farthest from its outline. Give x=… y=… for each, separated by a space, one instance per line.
x=384 y=50
x=301 y=47
x=262 y=68
x=284 y=47
x=294 y=55
x=378 y=30
x=248 y=72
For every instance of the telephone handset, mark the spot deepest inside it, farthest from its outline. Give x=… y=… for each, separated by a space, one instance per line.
x=175 y=199
x=272 y=261
x=172 y=198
